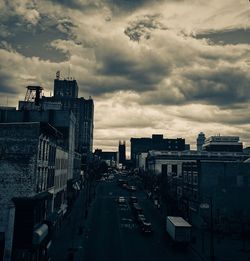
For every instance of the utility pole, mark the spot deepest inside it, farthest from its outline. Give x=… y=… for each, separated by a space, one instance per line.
x=212 y=257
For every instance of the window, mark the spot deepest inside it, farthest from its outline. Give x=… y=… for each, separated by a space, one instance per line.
x=195 y=179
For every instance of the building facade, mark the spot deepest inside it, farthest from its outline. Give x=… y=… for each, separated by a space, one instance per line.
x=122 y=152
x=66 y=94
x=27 y=173
x=200 y=141
x=157 y=142
x=223 y=143
x=222 y=185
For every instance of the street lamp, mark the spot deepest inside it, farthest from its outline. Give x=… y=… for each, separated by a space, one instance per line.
x=207 y=206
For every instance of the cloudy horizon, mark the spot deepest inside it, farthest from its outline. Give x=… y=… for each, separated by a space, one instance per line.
x=175 y=67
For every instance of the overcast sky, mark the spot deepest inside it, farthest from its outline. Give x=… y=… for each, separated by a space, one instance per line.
x=175 y=67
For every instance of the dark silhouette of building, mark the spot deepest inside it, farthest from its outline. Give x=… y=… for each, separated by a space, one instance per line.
x=223 y=143
x=66 y=98
x=110 y=157
x=157 y=142
x=200 y=141
x=122 y=152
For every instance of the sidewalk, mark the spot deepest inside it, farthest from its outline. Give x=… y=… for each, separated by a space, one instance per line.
x=69 y=237
x=225 y=248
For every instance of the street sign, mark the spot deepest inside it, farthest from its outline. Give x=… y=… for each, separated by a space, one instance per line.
x=204 y=205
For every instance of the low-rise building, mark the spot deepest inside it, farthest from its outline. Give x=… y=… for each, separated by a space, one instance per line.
x=223 y=143
x=222 y=185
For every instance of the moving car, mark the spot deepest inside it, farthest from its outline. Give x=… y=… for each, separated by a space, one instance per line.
x=121 y=200
x=133 y=199
x=140 y=218
x=131 y=188
x=146 y=228
x=136 y=209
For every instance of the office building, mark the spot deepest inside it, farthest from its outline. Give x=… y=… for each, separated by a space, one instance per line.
x=222 y=185
x=110 y=157
x=200 y=141
x=66 y=98
x=122 y=152
x=223 y=144
x=157 y=142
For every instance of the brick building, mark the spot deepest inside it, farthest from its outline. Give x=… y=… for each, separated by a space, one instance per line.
x=27 y=190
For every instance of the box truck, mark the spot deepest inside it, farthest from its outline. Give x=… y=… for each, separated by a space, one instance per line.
x=179 y=230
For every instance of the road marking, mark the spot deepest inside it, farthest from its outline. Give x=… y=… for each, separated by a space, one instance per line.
x=127 y=219
x=128 y=226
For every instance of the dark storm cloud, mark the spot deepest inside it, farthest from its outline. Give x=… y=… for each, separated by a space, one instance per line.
x=222 y=87
x=239 y=36
x=115 y=5
x=119 y=67
x=29 y=30
x=143 y=26
x=79 y=4
x=213 y=114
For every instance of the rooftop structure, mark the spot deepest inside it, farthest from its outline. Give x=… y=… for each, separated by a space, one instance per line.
x=223 y=143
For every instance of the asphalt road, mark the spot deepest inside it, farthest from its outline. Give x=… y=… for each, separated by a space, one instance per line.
x=112 y=234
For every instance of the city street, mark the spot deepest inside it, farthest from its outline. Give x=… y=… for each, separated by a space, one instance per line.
x=111 y=232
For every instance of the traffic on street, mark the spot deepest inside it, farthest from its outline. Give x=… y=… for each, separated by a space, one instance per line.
x=124 y=224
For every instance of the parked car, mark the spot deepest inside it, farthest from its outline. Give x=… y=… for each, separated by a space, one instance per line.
x=136 y=209
x=133 y=199
x=121 y=182
x=140 y=218
x=131 y=188
x=146 y=227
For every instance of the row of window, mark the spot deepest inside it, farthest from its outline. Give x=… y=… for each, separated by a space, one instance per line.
x=190 y=177
x=60 y=180
x=45 y=178
x=46 y=152
x=61 y=164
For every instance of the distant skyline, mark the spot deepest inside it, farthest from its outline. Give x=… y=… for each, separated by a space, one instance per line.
x=173 y=67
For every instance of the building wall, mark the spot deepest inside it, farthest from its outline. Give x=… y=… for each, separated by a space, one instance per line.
x=27 y=154
x=225 y=185
x=64 y=121
x=228 y=183
x=155 y=166
x=157 y=142
x=18 y=156
x=83 y=110
x=142 y=161
x=61 y=177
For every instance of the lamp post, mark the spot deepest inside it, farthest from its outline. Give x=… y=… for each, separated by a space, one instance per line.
x=207 y=206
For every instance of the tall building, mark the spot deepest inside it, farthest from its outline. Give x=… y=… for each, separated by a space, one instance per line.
x=66 y=98
x=66 y=93
x=200 y=141
x=157 y=142
x=223 y=144
x=122 y=152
